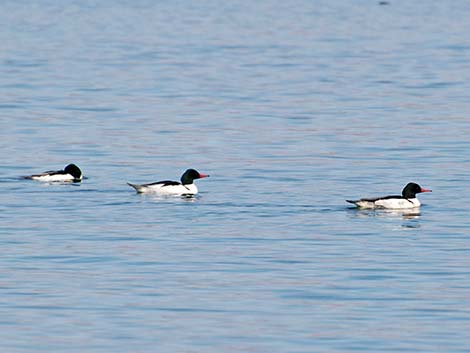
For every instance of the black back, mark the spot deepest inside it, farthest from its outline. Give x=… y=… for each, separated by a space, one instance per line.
x=380 y=198
x=165 y=183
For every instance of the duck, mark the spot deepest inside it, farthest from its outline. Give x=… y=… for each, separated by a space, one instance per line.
x=169 y=187
x=71 y=173
x=407 y=199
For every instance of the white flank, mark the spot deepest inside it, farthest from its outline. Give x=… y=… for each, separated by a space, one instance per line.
x=161 y=189
x=53 y=178
x=396 y=204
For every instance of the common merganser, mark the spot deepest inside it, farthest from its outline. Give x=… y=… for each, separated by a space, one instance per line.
x=169 y=187
x=407 y=199
x=71 y=173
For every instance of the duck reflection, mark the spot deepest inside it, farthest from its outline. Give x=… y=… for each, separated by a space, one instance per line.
x=408 y=215
x=169 y=198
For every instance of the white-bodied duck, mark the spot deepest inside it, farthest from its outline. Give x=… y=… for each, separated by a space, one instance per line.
x=169 y=187
x=407 y=199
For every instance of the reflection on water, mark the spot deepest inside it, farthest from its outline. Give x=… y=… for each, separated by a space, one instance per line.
x=165 y=198
x=409 y=215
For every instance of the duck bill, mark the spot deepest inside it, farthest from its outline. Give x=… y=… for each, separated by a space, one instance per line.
x=203 y=175
x=425 y=190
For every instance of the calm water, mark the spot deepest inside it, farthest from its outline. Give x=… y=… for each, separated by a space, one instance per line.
x=291 y=108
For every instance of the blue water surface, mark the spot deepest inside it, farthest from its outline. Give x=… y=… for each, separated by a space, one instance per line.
x=291 y=107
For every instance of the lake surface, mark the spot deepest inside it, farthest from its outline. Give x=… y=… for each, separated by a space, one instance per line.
x=291 y=107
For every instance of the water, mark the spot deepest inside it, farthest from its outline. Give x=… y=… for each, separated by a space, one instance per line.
x=291 y=108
